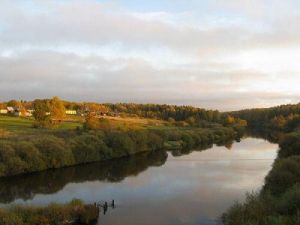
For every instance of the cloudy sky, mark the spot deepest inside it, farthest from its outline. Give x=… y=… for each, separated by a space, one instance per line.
x=221 y=54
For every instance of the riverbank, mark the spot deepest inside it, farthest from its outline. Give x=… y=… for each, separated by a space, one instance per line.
x=33 y=152
x=73 y=213
x=278 y=202
x=162 y=186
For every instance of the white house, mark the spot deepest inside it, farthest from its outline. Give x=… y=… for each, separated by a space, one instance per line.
x=3 y=111
x=71 y=112
x=10 y=109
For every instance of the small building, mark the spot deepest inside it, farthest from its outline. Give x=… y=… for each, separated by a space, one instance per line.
x=71 y=112
x=29 y=112
x=17 y=113
x=10 y=109
x=3 y=111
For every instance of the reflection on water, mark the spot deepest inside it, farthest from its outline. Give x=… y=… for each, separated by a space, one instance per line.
x=149 y=189
x=26 y=187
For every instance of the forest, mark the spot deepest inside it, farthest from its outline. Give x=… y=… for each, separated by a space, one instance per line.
x=279 y=200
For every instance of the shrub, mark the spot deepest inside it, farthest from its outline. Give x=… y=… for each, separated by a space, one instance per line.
x=55 y=152
x=120 y=143
x=290 y=145
x=89 y=148
x=289 y=202
x=284 y=174
x=28 y=153
x=54 y=214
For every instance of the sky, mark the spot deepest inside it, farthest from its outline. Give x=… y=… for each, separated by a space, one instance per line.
x=215 y=54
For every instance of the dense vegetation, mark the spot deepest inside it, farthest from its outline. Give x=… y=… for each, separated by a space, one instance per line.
x=190 y=115
x=51 y=181
x=40 y=152
x=74 y=212
x=279 y=201
x=105 y=133
x=284 y=118
x=98 y=137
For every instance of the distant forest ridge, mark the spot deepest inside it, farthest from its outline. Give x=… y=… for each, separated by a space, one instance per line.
x=161 y=111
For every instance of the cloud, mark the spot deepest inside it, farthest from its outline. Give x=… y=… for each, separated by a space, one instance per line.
x=45 y=74
x=98 y=24
x=91 y=50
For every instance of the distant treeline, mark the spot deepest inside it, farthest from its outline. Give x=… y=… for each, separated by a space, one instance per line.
x=281 y=118
x=41 y=152
x=164 y=112
x=279 y=201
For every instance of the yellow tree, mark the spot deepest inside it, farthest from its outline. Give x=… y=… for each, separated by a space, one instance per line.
x=57 y=110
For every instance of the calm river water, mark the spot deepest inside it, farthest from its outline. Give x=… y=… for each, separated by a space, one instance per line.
x=154 y=189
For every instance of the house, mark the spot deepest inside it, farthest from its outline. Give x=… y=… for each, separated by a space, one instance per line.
x=71 y=112
x=10 y=109
x=29 y=112
x=17 y=113
x=3 y=111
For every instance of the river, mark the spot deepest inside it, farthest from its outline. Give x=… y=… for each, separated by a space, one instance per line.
x=154 y=189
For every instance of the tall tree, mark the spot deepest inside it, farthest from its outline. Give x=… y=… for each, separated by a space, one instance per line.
x=57 y=110
x=41 y=113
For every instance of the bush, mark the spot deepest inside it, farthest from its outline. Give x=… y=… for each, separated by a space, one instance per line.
x=253 y=211
x=55 y=152
x=29 y=154
x=284 y=174
x=54 y=214
x=47 y=151
x=120 y=143
x=89 y=148
x=290 y=145
x=11 y=164
x=289 y=202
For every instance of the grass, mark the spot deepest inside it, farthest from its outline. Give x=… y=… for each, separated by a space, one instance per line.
x=135 y=122
x=21 y=125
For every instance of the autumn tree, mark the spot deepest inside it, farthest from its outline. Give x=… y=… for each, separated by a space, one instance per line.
x=13 y=103
x=57 y=110
x=91 y=122
x=2 y=105
x=41 y=113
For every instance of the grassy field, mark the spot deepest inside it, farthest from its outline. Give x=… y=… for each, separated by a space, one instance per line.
x=21 y=125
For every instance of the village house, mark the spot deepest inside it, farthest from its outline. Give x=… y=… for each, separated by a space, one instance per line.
x=28 y=113
x=16 y=111
x=71 y=112
x=10 y=109
x=3 y=111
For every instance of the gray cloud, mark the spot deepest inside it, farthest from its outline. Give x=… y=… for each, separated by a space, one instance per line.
x=45 y=74
x=57 y=48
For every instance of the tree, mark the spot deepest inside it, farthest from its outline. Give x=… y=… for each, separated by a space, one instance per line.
x=13 y=103
x=57 y=110
x=230 y=120
x=2 y=105
x=91 y=122
x=41 y=113
x=191 y=121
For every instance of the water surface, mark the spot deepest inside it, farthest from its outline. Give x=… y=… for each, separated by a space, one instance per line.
x=154 y=189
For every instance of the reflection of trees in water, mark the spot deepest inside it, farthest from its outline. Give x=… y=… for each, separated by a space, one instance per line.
x=27 y=186
x=266 y=134
x=186 y=151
